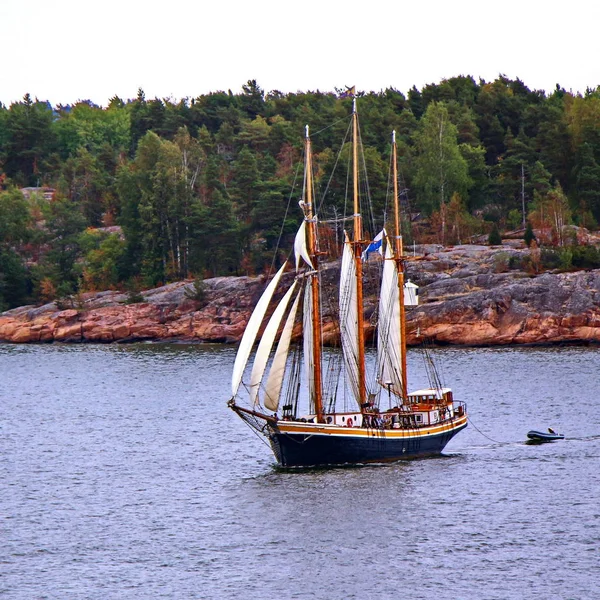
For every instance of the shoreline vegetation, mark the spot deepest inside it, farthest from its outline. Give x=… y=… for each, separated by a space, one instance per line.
x=144 y=197
x=469 y=296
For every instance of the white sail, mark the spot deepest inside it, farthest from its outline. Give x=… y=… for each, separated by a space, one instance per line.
x=388 y=331
x=349 y=317
x=251 y=332
x=277 y=371
x=307 y=332
x=266 y=344
x=300 y=249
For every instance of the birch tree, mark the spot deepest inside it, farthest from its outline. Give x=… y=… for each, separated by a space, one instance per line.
x=441 y=169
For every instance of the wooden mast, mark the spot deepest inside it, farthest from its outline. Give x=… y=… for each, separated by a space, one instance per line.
x=311 y=223
x=399 y=254
x=357 y=246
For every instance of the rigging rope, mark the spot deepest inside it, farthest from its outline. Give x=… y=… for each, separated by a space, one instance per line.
x=483 y=434
x=287 y=208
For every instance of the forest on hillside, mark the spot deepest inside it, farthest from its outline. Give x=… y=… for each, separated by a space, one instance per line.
x=144 y=192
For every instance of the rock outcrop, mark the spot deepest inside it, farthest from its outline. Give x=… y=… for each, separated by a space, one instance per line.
x=468 y=296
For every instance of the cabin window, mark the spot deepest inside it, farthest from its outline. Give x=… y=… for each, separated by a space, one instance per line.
x=419 y=418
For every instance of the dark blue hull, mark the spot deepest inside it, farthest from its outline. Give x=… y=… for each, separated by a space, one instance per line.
x=302 y=450
x=542 y=436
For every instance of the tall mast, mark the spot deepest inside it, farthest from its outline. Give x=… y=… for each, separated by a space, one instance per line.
x=357 y=246
x=399 y=254
x=311 y=223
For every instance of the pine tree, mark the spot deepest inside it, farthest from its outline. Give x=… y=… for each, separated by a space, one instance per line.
x=529 y=236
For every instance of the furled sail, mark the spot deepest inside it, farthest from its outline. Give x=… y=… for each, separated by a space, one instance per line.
x=307 y=332
x=300 y=249
x=251 y=332
x=266 y=344
x=277 y=371
x=388 y=331
x=349 y=317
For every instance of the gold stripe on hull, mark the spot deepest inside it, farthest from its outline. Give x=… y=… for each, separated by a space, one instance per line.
x=341 y=431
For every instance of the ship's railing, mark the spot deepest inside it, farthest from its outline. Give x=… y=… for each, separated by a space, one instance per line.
x=460 y=408
x=401 y=417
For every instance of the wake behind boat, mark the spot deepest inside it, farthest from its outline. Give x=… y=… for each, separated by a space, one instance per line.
x=344 y=419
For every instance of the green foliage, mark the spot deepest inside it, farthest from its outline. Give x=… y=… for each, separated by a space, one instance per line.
x=134 y=297
x=197 y=292
x=14 y=280
x=15 y=218
x=85 y=126
x=30 y=137
x=441 y=169
x=514 y=218
x=585 y=257
x=202 y=185
x=519 y=262
x=103 y=260
x=529 y=236
x=587 y=179
x=64 y=225
x=494 y=238
x=550 y=258
x=134 y=294
x=85 y=182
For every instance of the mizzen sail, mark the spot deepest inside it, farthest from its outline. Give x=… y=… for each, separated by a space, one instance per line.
x=388 y=330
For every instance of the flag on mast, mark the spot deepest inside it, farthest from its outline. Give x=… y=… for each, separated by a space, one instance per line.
x=374 y=246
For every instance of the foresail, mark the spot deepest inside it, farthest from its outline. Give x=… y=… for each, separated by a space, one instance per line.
x=266 y=344
x=300 y=249
x=349 y=317
x=388 y=330
x=251 y=332
x=277 y=371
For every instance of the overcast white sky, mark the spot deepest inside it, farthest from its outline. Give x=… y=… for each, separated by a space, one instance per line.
x=76 y=49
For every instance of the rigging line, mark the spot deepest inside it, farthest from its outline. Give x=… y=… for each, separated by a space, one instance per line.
x=333 y=170
x=329 y=126
x=287 y=208
x=260 y=436
x=371 y=213
x=432 y=371
x=426 y=361
x=437 y=367
x=347 y=190
x=483 y=434
x=388 y=189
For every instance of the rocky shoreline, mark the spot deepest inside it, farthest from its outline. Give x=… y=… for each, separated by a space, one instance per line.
x=468 y=296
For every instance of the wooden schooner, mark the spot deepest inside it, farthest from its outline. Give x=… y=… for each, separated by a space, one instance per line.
x=330 y=431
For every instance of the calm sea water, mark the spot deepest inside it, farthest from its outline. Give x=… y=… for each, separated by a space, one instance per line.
x=124 y=475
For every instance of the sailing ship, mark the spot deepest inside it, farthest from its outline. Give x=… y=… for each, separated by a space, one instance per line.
x=310 y=413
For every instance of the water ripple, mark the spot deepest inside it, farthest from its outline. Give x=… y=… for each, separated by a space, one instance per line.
x=124 y=475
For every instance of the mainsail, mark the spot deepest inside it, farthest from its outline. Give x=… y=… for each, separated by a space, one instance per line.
x=251 y=332
x=388 y=330
x=307 y=331
x=349 y=317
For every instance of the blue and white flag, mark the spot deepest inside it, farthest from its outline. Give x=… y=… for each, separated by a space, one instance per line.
x=374 y=246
